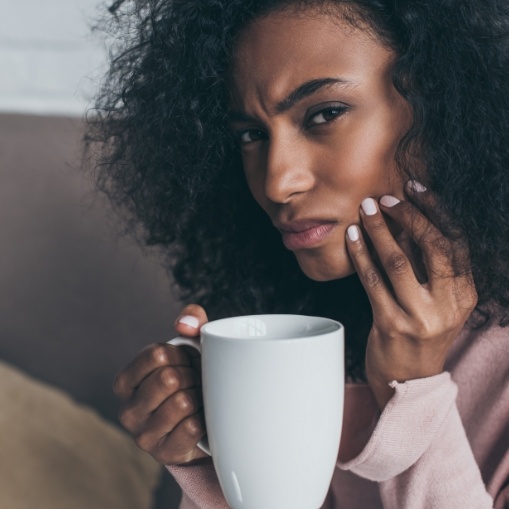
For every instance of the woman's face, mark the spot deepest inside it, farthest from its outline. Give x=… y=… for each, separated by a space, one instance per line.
x=319 y=121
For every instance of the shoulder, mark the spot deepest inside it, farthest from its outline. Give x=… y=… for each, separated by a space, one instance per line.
x=479 y=365
x=478 y=348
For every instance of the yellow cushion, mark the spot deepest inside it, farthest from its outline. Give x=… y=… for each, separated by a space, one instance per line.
x=57 y=454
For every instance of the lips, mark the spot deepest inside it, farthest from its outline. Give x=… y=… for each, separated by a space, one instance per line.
x=305 y=234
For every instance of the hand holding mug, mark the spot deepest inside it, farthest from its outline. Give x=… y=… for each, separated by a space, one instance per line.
x=273 y=399
x=161 y=396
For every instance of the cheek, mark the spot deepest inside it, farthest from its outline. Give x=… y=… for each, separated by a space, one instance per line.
x=362 y=163
x=254 y=175
x=331 y=262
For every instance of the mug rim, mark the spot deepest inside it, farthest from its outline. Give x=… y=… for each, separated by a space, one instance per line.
x=204 y=329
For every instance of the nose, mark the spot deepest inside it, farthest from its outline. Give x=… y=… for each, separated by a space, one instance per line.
x=288 y=171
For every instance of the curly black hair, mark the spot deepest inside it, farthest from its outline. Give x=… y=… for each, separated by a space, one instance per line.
x=169 y=161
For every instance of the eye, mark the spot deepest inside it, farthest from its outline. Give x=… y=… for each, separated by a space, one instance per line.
x=251 y=135
x=325 y=115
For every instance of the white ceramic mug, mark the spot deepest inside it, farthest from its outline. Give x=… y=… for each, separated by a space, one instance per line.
x=273 y=391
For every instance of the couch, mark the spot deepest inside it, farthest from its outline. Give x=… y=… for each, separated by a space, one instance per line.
x=77 y=301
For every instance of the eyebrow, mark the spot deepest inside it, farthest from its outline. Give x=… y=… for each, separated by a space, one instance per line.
x=301 y=92
x=305 y=90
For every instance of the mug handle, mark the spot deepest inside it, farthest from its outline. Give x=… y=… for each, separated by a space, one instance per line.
x=203 y=444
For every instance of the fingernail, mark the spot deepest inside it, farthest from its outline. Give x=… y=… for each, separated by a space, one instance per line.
x=389 y=201
x=416 y=186
x=353 y=233
x=190 y=321
x=369 y=206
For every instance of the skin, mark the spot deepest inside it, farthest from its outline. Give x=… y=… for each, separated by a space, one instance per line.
x=327 y=155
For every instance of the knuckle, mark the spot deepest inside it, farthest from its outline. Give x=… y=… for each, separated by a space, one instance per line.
x=184 y=402
x=144 y=442
x=468 y=299
x=397 y=264
x=449 y=321
x=406 y=208
x=419 y=333
x=164 y=458
x=170 y=379
x=127 y=418
x=358 y=249
x=440 y=243
x=378 y=225
x=394 y=328
x=425 y=329
x=193 y=427
x=372 y=279
x=159 y=354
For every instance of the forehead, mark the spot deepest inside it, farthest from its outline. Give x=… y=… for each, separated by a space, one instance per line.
x=283 y=49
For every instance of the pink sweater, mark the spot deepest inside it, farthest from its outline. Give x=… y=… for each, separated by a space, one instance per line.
x=440 y=443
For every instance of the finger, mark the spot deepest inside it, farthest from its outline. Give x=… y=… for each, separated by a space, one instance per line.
x=437 y=251
x=161 y=384
x=180 y=446
x=174 y=410
x=147 y=361
x=166 y=416
x=393 y=260
x=172 y=439
x=430 y=206
x=457 y=251
x=414 y=255
x=380 y=297
x=446 y=262
x=190 y=320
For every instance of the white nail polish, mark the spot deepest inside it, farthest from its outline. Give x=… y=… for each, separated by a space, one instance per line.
x=353 y=233
x=190 y=321
x=369 y=206
x=416 y=186
x=389 y=201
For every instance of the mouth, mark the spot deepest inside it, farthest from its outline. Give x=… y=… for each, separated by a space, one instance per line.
x=305 y=234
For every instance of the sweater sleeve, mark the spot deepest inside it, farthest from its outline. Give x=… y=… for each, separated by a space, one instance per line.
x=419 y=452
x=200 y=485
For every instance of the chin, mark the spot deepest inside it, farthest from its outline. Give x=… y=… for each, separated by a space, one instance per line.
x=318 y=268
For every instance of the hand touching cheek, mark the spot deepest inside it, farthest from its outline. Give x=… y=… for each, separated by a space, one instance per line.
x=414 y=322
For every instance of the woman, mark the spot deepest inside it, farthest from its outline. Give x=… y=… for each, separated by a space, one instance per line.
x=338 y=158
